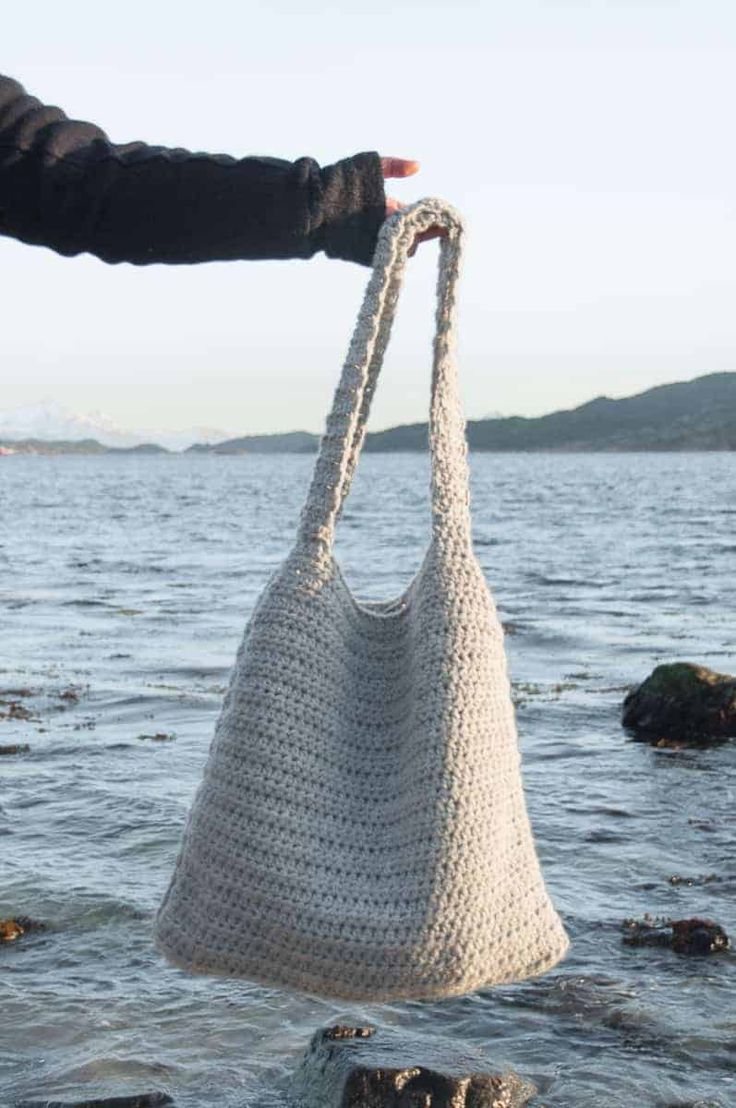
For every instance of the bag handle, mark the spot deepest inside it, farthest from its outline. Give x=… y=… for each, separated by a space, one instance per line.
x=345 y=430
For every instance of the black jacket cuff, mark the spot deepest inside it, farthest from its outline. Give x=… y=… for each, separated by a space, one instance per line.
x=353 y=207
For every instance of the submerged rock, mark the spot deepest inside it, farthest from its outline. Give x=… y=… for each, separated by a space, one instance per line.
x=706 y=879
x=698 y=936
x=682 y=703
x=15 y=748
x=143 y=1100
x=362 y=1067
x=70 y=694
x=12 y=929
x=14 y=710
x=684 y=936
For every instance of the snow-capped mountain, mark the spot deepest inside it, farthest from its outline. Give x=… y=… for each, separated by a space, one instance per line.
x=49 y=420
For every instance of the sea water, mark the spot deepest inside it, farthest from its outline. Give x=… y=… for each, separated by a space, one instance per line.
x=125 y=584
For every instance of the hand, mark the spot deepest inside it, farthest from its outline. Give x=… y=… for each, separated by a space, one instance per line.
x=403 y=167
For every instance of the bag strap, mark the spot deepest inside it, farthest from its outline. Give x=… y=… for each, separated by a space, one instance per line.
x=345 y=430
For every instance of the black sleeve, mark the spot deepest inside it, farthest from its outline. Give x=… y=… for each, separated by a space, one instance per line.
x=63 y=184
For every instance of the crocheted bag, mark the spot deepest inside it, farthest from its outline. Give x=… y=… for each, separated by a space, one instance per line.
x=361 y=831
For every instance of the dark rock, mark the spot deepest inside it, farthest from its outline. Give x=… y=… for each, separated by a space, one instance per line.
x=684 y=936
x=698 y=936
x=361 y=1067
x=143 y=1100
x=12 y=929
x=15 y=748
x=682 y=703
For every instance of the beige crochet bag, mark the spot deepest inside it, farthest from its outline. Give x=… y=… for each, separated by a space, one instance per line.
x=360 y=830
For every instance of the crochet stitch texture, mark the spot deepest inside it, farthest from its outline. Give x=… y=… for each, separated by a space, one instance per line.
x=361 y=830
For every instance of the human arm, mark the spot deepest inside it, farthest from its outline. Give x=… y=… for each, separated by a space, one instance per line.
x=65 y=185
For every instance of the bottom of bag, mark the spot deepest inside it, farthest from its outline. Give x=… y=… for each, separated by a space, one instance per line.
x=335 y=988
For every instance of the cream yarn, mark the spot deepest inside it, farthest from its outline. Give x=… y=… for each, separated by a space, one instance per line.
x=361 y=830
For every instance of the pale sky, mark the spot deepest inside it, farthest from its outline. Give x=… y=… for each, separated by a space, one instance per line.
x=590 y=146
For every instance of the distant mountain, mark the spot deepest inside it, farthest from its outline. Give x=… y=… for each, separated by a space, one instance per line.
x=51 y=422
x=291 y=442
x=80 y=446
x=689 y=415
x=139 y=448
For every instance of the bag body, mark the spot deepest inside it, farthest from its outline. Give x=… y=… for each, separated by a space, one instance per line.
x=360 y=830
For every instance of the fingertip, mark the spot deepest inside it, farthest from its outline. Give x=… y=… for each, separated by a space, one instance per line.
x=399 y=167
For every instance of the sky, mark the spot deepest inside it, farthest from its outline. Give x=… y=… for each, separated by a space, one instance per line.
x=589 y=146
